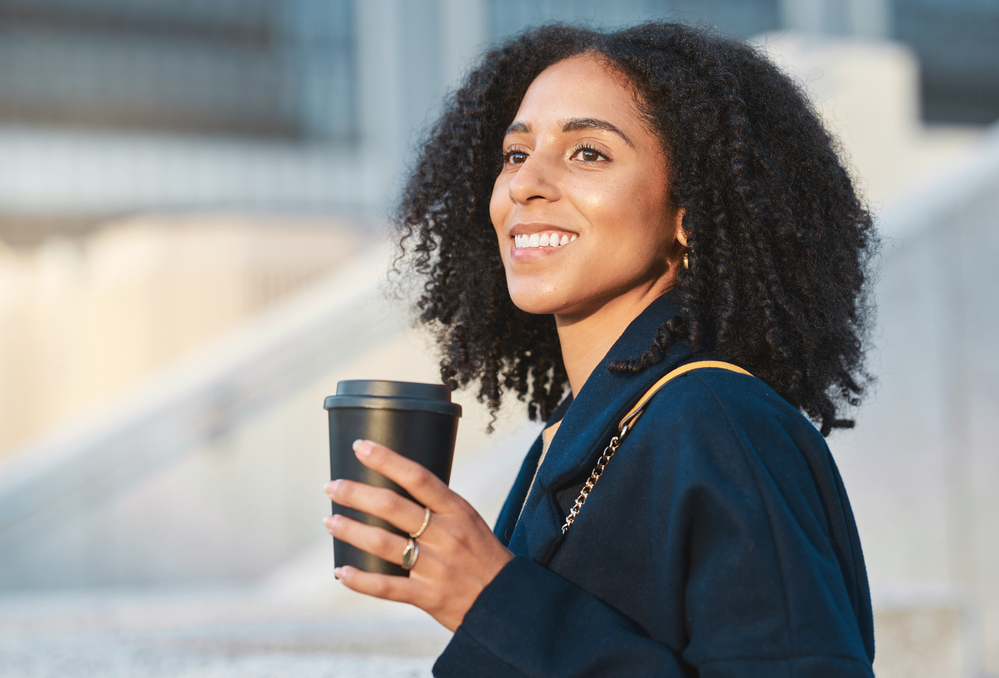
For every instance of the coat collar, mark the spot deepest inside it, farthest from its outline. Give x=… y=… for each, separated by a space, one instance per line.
x=606 y=397
x=588 y=425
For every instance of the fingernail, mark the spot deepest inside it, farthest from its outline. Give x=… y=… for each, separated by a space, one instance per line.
x=326 y=487
x=361 y=447
x=336 y=572
x=330 y=487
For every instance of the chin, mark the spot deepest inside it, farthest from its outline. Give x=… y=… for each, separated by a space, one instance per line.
x=541 y=294
x=535 y=304
x=532 y=306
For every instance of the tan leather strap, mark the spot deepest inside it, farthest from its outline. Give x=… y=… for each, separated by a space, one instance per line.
x=682 y=369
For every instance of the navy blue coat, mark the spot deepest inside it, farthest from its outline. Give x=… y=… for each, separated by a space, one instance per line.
x=719 y=541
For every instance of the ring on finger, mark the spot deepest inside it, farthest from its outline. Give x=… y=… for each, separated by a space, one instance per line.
x=426 y=521
x=410 y=554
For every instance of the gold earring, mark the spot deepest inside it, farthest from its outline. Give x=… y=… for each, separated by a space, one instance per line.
x=686 y=261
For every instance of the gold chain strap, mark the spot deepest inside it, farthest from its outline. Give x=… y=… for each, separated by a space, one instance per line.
x=627 y=422
x=598 y=471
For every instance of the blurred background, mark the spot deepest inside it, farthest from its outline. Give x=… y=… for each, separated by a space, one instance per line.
x=194 y=250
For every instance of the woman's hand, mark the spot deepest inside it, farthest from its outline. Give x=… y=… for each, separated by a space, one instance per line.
x=458 y=557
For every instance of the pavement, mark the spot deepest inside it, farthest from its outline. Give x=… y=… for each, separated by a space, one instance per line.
x=213 y=633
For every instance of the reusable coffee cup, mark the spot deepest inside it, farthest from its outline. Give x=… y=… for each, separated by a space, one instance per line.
x=418 y=421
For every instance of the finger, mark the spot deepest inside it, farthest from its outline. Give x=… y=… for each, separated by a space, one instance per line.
x=380 y=502
x=423 y=485
x=370 y=539
x=389 y=587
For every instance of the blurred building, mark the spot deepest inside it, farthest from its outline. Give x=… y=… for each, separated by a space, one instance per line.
x=113 y=106
x=192 y=253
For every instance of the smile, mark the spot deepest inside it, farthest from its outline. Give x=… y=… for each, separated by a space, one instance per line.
x=536 y=240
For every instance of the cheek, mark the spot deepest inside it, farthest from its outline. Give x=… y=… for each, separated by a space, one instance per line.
x=592 y=195
x=629 y=197
x=649 y=204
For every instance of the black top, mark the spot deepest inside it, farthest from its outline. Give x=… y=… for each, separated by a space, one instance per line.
x=719 y=541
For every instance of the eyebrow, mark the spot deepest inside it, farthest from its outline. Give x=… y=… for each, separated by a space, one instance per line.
x=574 y=125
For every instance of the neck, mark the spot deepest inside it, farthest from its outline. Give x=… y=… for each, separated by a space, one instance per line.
x=586 y=339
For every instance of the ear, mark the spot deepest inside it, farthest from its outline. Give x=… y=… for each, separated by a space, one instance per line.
x=681 y=235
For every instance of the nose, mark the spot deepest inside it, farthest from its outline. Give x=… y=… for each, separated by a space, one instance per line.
x=536 y=179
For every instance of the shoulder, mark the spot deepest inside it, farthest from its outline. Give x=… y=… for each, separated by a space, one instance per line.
x=716 y=428
x=718 y=405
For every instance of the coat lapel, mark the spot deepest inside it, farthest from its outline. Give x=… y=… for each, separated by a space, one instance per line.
x=587 y=427
x=510 y=512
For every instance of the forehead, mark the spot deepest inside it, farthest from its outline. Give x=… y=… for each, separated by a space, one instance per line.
x=581 y=86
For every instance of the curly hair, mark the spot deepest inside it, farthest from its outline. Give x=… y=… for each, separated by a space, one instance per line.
x=780 y=244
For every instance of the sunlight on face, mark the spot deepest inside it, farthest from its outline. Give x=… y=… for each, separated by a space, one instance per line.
x=581 y=207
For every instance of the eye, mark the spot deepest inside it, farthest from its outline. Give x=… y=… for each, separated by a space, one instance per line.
x=587 y=154
x=514 y=156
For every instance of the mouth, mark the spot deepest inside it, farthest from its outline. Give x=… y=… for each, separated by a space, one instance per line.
x=542 y=239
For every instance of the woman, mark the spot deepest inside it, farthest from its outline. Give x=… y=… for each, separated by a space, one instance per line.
x=659 y=197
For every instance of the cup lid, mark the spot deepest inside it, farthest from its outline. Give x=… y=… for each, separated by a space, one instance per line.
x=393 y=395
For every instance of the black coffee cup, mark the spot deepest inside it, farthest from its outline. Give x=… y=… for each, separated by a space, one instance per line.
x=418 y=421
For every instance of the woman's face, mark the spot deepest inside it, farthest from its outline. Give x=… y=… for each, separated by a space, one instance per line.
x=581 y=206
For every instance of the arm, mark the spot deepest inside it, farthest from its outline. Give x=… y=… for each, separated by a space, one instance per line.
x=531 y=622
x=461 y=563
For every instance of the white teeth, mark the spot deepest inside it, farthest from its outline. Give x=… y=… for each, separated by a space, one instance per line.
x=536 y=240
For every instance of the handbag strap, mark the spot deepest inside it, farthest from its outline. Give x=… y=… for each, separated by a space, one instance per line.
x=628 y=422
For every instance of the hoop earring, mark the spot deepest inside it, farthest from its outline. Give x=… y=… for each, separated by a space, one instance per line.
x=686 y=261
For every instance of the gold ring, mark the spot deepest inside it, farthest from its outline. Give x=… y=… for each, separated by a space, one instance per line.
x=410 y=555
x=426 y=521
